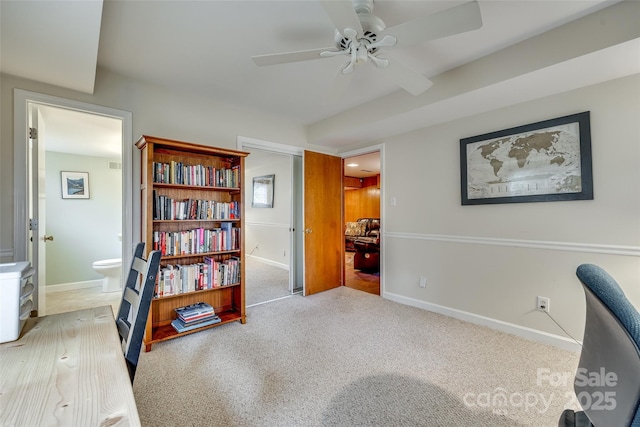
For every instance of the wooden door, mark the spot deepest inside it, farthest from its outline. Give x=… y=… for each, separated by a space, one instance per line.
x=323 y=229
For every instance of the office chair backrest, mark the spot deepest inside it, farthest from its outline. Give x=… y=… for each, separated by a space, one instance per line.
x=610 y=346
x=134 y=308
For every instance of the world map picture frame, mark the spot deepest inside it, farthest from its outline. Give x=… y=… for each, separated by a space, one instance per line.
x=539 y=162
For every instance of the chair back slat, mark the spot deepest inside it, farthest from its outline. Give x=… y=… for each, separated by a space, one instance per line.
x=139 y=264
x=131 y=296
x=123 y=327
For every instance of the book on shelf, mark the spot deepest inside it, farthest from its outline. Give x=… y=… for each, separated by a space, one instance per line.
x=195 y=175
x=167 y=208
x=197 y=241
x=208 y=274
x=193 y=312
x=180 y=326
x=194 y=316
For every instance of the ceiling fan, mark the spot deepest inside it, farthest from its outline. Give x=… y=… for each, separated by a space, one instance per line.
x=360 y=36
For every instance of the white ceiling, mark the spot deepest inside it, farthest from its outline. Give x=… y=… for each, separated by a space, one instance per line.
x=205 y=48
x=69 y=131
x=363 y=165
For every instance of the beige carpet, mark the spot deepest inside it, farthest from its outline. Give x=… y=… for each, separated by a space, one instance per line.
x=348 y=358
x=264 y=282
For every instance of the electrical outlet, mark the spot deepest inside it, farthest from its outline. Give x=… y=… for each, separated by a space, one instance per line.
x=543 y=304
x=423 y=282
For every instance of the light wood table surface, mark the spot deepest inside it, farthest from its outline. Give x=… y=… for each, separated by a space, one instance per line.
x=67 y=370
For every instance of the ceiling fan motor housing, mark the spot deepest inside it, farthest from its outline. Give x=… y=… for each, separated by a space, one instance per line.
x=371 y=25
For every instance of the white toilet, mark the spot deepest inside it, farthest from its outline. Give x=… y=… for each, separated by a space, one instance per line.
x=112 y=271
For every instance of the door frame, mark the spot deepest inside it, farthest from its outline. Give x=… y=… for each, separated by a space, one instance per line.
x=296 y=252
x=243 y=141
x=21 y=101
x=366 y=150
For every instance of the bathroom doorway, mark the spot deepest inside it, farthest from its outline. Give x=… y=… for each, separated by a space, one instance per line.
x=89 y=146
x=61 y=231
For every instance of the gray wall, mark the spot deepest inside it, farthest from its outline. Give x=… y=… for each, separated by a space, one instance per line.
x=493 y=260
x=156 y=111
x=84 y=230
x=269 y=227
x=484 y=261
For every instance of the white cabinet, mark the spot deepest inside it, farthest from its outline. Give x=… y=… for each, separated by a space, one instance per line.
x=16 y=302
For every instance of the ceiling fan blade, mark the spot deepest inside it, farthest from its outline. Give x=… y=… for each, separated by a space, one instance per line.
x=338 y=87
x=405 y=77
x=342 y=14
x=459 y=19
x=283 y=58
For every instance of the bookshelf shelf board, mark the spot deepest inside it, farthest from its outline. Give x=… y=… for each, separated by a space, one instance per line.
x=182 y=221
x=201 y=254
x=166 y=332
x=218 y=288
x=194 y=187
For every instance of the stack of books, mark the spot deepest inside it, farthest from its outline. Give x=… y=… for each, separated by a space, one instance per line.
x=194 y=316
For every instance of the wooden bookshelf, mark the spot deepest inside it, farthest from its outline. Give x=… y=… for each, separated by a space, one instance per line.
x=175 y=177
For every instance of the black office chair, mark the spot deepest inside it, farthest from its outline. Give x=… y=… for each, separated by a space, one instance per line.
x=611 y=346
x=134 y=308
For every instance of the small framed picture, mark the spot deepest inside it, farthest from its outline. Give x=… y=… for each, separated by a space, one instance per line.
x=262 y=191
x=75 y=185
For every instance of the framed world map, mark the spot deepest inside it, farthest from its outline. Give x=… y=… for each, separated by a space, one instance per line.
x=539 y=162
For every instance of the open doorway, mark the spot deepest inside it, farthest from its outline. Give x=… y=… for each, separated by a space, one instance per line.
x=362 y=218
x=87 y=146
x=272 y=261
x=45 y=162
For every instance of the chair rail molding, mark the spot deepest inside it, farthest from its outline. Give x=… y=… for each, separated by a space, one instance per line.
x=536 y=244
x=266 y=224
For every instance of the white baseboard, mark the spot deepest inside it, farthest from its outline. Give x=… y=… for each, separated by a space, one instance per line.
x=268 y=261
x=510 y=328
x=73 y=286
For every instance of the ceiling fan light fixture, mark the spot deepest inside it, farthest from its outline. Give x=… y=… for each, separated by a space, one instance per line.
x=379 y=62
x=360 y=34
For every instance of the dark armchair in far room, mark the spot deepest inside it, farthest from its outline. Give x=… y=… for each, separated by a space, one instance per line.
x=607 y=382
x=364 y=229
x=363 y=237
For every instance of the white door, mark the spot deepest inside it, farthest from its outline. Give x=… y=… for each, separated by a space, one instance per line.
x=37 y=209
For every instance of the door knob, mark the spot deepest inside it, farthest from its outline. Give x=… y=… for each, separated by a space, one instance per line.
x=308 y=230
x=48 y=238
